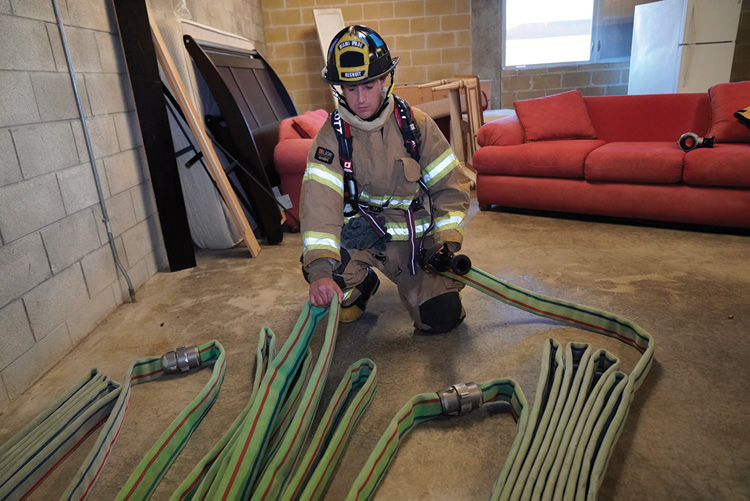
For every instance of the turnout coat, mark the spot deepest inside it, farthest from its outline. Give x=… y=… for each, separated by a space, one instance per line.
x=388 y=181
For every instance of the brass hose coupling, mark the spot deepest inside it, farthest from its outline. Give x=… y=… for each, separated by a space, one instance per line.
x=460 y=398
x=180 y=360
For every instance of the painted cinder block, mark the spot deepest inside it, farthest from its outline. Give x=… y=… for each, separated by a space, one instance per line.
x=138 y=274
x=10 y=172
x=23 y=266
x=54 y=96
x=102 y=134
x=96 y=15
x=110 y=53
x=70 y=239
x=31 y=365
x=124 y=171
x=52 y=302
x=78 y=188
x=38 y=9
x=128 y=130
x=108 y=93
x=121 y=212
x=88 y=317
x=17 y=99
x=83 y=50
x=15 y=333
x=45 y=147
x=27 y=206
x=24 y=45
x=99 y=270
x=140 y=240
x=144 y=202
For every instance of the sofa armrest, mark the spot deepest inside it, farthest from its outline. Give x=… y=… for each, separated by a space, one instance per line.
x=504 y=131
x=290 y=156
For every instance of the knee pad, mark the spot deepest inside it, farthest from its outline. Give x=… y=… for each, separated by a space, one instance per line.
x=441 y=313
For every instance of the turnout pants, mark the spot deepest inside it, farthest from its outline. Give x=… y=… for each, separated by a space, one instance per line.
x=431 y=300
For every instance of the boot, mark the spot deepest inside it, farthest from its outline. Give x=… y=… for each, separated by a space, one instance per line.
x=367 y=288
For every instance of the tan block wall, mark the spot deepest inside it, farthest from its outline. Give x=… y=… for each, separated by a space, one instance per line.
x=432 y=38
x=609 y=79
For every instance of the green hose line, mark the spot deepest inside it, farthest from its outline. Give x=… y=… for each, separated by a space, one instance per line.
x=30 y=455
x=154 y=465
x=260 y=456
x=563 y=443
x=566 y=437
x=96 y=401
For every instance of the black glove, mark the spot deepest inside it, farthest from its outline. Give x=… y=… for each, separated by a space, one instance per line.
x=359 y=234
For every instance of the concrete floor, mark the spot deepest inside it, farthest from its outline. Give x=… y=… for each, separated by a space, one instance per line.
x=687 y=432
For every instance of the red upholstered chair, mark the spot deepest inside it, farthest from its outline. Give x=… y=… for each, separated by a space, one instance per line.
x=290 y=156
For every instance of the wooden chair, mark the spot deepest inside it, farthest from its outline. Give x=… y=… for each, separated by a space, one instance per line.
x=472 y=103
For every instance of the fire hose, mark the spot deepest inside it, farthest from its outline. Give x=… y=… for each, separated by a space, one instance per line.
x=561 y=450
x=565 y=439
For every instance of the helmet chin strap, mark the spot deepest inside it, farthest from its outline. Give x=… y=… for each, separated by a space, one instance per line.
x=384 y=95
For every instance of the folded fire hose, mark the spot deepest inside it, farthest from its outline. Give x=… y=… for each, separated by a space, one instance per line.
x=561 y=449
x=565 y=440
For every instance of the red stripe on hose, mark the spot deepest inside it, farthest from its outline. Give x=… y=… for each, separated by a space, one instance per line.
x=395 y=432
x=133 y=378
x=307 y=408
x=70 y=451
x=348 y=425
x=610 y=331
x=112 y=443
x=255 y=422
x=143 y=473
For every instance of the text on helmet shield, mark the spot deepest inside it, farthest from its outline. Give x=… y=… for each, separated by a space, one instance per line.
x=350 y=43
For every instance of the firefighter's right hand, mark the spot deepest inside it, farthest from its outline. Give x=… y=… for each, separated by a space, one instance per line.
x=322 y=291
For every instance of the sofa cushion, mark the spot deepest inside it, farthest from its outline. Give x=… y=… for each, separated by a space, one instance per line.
x=562 y=159
x=636 y=162
x=561 y=116
x=725 y=165
x=726 y=99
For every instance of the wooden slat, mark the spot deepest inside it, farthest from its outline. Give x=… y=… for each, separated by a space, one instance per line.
x=191 y=116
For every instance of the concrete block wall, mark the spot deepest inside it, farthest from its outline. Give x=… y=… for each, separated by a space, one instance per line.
x=609 y=79
x=741 y=64
x=58 y=277
x=241 y=17
x=57 y=274
x=432 y=38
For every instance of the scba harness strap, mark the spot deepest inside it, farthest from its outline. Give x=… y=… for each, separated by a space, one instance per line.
x=409 y=127
x=412 y=143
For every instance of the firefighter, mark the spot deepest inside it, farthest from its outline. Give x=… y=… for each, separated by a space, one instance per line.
x=381 y=188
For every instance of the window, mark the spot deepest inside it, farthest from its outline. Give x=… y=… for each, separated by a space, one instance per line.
x=541 y=32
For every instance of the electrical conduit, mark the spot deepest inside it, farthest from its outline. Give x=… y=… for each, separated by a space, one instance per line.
x=105 y=216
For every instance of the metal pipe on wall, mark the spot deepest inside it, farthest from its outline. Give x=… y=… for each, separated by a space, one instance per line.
x=97 y=181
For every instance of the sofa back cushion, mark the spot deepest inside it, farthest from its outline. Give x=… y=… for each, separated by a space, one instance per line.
x=726 y=99
x=650 y=117
x=304 y=126
x=561 y=116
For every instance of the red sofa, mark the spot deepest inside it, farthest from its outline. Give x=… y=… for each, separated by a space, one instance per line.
x=290 y=156
x=618 y=156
